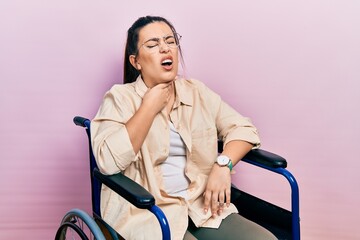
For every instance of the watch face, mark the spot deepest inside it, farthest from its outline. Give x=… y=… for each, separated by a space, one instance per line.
x=223 y=160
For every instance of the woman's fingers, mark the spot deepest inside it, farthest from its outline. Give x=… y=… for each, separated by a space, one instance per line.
x=158 y=96
x=221 y=202
x=228 y=196
x=207 y=199
x=216 y=201
x=214 y=204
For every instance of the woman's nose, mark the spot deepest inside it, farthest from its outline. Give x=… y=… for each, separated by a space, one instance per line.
x=163 y=47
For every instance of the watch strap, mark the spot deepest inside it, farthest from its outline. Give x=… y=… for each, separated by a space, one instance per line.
x=230 y=165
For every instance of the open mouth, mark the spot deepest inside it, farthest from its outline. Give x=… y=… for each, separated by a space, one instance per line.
x=166 y=62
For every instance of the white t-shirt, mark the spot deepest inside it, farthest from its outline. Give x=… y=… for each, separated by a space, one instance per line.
x=175 y=181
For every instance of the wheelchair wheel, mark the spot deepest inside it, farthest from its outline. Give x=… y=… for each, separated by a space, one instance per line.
x=69 y=230
x=77 y=224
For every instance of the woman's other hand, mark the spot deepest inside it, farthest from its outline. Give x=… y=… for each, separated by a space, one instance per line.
x=218 y=187
x=217 y=191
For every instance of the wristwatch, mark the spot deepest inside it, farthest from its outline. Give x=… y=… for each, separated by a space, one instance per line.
x=223 y=161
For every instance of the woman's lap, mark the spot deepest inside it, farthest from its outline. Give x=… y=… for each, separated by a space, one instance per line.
x=232 y=227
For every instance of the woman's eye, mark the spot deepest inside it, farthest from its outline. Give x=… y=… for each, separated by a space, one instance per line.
x=152 y=44
x=171 y=41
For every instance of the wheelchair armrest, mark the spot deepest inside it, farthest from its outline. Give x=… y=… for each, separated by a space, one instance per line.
x=127 y=188
x=265 y=158
x=260 y=157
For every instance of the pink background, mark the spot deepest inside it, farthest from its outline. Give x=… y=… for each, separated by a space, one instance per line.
x=291 y=66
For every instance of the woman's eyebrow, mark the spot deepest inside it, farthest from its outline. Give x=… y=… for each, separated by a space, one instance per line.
x=152 y=39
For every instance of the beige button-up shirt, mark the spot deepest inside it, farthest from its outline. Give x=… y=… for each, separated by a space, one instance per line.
x=201 y=118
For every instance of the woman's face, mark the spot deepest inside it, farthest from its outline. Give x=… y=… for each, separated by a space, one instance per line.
x=156 y=60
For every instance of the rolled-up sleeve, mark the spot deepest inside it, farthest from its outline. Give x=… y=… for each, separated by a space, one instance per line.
x=110 y=141
x=233 y=126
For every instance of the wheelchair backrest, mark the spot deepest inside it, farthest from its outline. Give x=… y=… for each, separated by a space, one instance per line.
x=95 y=184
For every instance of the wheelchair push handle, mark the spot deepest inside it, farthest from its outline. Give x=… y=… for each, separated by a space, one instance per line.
x=80 y=121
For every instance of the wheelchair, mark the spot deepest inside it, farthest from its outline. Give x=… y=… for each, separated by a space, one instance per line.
x=284 y=224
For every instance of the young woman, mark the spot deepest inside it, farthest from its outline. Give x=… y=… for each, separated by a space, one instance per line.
x=161 y=131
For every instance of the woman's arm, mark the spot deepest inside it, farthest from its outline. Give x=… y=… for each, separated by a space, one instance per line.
x=236 y=150
x=116 y=125
x=155 y=99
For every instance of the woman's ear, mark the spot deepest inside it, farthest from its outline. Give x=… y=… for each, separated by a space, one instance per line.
x=134 y=62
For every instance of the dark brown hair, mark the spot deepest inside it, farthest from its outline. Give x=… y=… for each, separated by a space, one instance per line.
x=131 y=73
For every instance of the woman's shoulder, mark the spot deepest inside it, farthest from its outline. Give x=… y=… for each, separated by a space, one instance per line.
x=191 y=83
x=198 y=91
x=195 y=85
x=121 y=88
x=120 y=93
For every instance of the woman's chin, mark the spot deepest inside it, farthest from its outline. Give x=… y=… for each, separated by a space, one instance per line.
x=169 y=78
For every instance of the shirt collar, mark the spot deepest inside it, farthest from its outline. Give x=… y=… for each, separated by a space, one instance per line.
x=140 y=87
x=183 y=92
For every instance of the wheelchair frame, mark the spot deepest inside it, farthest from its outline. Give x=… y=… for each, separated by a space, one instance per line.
x=141 y=198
